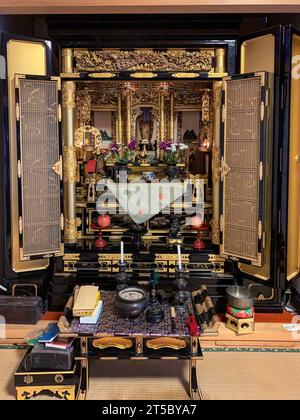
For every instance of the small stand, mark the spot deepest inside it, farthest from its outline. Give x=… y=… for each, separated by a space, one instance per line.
x=199 y=243
x=103 y=222
x=240 y=326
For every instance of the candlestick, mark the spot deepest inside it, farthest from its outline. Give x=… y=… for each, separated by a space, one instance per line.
x=179 y=257
x=122 y=252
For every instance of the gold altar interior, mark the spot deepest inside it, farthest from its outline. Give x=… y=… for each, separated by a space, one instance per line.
x=108 y=112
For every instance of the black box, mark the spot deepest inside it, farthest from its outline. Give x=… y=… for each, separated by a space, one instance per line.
x=21 y=309
x=68 y=384
x=42 y=357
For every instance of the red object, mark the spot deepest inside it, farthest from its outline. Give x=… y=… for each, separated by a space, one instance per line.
x=240 y=313
x=192 y=326
x=201 y=228
x=103 y=222
x=91 y=166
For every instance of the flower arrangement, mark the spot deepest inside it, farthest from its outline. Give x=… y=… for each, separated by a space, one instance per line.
x=173 y=153
x=123 y=154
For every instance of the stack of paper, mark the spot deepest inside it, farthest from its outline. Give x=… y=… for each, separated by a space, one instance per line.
x=86 y=302
x=93 y=319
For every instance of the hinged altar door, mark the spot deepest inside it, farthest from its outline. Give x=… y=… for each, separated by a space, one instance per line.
x=31 y=144
x=39 y=162
x=250 y=167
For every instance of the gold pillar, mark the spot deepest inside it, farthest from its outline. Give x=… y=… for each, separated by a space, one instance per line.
x=120 y=128
x=67 y=60
x=216 y=161
x=171 y=135
x=69 y=155
x=220 y=60
x=69 y=161
x=128 y=115
x=162 y=116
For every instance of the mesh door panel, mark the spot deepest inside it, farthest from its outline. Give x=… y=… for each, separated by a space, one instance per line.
x=39 y=149
x=242 y=155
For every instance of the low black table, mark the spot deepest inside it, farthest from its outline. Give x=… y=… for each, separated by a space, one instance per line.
x=116 y=338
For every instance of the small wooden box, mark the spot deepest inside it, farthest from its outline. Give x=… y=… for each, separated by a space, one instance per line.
x=68 y=385
x=240 y=326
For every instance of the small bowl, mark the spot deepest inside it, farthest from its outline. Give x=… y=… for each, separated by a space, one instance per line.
x=239 y=297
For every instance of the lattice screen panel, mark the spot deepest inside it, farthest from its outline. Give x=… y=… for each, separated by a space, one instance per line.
x=241 y=168
x=39 y=151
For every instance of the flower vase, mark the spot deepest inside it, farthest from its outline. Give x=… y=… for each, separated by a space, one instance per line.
x=172 y=172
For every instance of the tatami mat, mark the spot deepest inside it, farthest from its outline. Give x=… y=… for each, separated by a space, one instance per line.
x=222 y=375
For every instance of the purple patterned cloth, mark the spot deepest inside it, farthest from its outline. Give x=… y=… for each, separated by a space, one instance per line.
x=111 y=323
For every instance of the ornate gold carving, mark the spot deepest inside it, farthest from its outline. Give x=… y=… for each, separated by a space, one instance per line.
x=61 y=392
x=70 y=228
x=216 y=163
x=104 y=94
x=117 y=342
x=146 y=94
x=217 y=97
x=205 y=108
x=72 y=257
x=69 y=164
x=166 y=342
x=88 y=137
x=83 y=108
x=190 y=95
x=171 y=257
x=144 y=60
x=68 y=95
x=215 y=230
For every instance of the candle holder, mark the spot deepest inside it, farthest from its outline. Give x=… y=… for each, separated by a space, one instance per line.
x=155 y=312
x=180 y=284
x=122 y=277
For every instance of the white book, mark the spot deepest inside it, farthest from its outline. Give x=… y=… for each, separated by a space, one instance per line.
x=93 y=318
